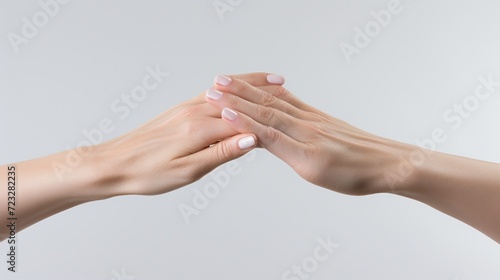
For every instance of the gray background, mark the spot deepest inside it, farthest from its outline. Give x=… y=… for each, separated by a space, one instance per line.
x=428 y=58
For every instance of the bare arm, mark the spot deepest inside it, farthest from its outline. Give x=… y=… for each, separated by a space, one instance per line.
x=175 y=149
x=464 y=188
x=333 y=154
x=35 y=192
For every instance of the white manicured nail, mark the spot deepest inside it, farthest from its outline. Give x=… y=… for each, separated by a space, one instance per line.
x=222 y=80
x=229 y=114
x=275 y=79
x=246 y=142
x=214 y=94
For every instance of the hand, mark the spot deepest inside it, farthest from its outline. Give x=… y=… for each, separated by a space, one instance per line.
x=321 y=149
x=174 y=149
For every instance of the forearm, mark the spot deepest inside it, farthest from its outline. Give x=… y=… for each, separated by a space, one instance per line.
x=172 y=150
x=333 y=154
x=464 y=188
x=40 y=192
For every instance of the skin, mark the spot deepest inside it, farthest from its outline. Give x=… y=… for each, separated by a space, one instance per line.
x=176 y=149
x=170 y=151
x=331 y=153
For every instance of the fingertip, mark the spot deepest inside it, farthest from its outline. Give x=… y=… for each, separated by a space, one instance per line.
x=275 y=79
x=229 y=114
x=247 y=142
x=213 y=94
x=222 y=80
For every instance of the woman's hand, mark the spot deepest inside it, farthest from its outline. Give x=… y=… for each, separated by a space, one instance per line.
x=176 y=148
x=172 y=150
x=333 y=154
x=320 y=148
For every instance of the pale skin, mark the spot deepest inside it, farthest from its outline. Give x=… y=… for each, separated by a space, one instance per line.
x=173 y=150
x=176 y=149
x=331 y=153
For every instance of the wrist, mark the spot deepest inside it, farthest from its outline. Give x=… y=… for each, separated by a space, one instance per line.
x=107 y=173
x=84 y=174
x=79 y=177
x=399 y=166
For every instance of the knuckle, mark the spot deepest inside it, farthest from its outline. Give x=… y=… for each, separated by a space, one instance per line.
x=272 y=135
x=281 y=92
x=264 y=113
x=240 y=86
x=234 y=101
x=268 y=100
x=224 y=151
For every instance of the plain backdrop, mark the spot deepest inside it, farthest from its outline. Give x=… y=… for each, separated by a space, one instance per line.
x=426 y=59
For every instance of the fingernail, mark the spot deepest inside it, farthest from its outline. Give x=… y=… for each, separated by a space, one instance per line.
x=229 y=114
x=213 y=94
x=222 y=80
x=275 y=79
x=246 y=142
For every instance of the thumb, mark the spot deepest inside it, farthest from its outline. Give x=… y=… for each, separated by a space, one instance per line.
x=224 y=151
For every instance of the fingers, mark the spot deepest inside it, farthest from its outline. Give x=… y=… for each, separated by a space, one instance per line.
x=222 y=152
x=203 y=133
x=253 y=94
x=252 y=100
x=255 y=79
x=267 y=82
x=290 y=125
x=200 y=103
x=278 y=143
x=187 y=111
x=260 y=79
x=190 y=134
x=285 y=95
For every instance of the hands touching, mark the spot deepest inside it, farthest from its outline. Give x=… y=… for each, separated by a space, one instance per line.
x=174 y=149
x=237 y=114
x=322 y=149
x=331 y=153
